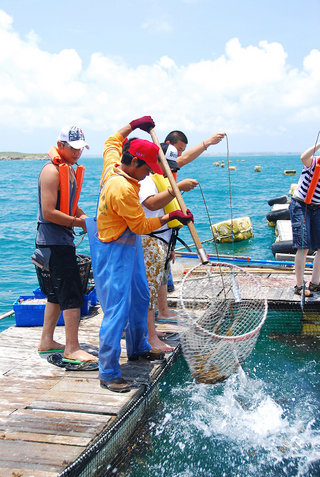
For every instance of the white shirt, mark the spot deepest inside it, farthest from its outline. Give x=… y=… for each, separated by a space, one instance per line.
x=147 y=189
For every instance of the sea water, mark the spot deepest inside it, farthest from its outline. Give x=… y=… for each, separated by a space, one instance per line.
x=242 y=193
x=262 y=421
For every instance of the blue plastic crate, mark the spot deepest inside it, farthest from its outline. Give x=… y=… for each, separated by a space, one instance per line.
x=89 y=300
x=30 y=314
x=38 y=293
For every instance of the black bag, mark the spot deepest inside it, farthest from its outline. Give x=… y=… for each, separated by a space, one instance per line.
x=41 y=258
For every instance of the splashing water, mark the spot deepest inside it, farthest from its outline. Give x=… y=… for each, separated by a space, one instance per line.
x=247 y=426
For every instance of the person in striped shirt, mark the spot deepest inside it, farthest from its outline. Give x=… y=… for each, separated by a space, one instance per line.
x=305 y=219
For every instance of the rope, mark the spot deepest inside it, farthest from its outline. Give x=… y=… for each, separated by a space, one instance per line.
x=231 y=216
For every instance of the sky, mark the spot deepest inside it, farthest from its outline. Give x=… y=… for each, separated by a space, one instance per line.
x=245 y=67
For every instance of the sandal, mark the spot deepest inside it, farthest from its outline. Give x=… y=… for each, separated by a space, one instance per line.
x=298 y=291
x=314 y=288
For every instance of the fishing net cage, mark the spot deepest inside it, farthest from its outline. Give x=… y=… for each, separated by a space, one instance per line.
x=222 y=310
x=84 y=266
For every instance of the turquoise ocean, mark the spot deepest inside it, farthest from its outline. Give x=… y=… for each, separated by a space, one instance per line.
x=262 y=421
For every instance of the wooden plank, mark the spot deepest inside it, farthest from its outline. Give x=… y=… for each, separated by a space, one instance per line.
x=56 y=418
x=105 y=403
x=23 y=472
x=36 y=456
x=49 y=439
x=53 y=423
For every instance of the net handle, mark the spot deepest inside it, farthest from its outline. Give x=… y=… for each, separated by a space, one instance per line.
x=201 y=252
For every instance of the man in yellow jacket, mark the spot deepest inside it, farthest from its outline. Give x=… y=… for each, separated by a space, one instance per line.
x=116 y=251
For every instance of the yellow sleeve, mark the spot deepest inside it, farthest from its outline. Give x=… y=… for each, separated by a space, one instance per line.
x=112 y=150
x=124 y=201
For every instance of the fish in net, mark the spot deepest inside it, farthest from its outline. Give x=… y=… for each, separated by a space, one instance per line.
x=223 y=308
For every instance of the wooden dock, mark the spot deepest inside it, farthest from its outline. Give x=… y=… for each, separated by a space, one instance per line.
x=56 y=422
x=49 y=416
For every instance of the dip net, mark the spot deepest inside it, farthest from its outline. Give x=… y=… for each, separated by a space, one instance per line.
x=223 y=308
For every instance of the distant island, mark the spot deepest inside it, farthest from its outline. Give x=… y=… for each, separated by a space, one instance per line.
x=18 y=156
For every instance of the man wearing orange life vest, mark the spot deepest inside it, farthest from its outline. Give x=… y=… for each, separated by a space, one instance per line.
x=305 y=219
x=55 y=238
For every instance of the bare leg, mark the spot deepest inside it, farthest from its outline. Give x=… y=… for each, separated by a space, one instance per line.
x=51 y=316
x=299 y=262
x=72 y=348
x=164 y=310
x=154 y=340
x=315 y=278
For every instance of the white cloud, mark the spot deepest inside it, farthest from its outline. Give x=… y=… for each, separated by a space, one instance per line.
x=5 y=21
x=246 y=90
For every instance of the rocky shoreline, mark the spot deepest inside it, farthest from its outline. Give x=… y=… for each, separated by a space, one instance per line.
x=18 y=156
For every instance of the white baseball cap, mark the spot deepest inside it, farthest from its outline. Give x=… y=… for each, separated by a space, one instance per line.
x=74 y=136
x=171 y=155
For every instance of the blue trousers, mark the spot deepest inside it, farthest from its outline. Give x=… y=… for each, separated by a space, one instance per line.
x=123 y=293
x=305 y=220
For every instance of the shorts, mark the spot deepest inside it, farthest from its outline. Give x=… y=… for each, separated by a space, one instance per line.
x=305 y=221
x=65 y=286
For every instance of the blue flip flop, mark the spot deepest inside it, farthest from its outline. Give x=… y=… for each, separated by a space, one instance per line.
x=167 y=321
x=50 y=351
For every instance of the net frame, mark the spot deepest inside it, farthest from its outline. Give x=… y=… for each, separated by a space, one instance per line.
x=223 y=350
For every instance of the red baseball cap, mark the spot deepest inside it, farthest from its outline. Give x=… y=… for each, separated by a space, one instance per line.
x=147 y=151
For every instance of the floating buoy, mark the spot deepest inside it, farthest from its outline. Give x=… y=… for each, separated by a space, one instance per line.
x=240 y=229
x=289 y=172
x=257 y=168
x=274 y=215
x=283 y=199
x=232 y=168
x=283 y=246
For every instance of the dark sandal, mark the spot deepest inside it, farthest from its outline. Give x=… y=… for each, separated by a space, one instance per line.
x=71 y=364
x=152 y=355
x=117 y=385
x=298 y=291
x=314 y=288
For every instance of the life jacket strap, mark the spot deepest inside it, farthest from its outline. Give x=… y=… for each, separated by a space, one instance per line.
x=64 y=180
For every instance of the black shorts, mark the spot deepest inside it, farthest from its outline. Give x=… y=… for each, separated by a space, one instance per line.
x=65 y=286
